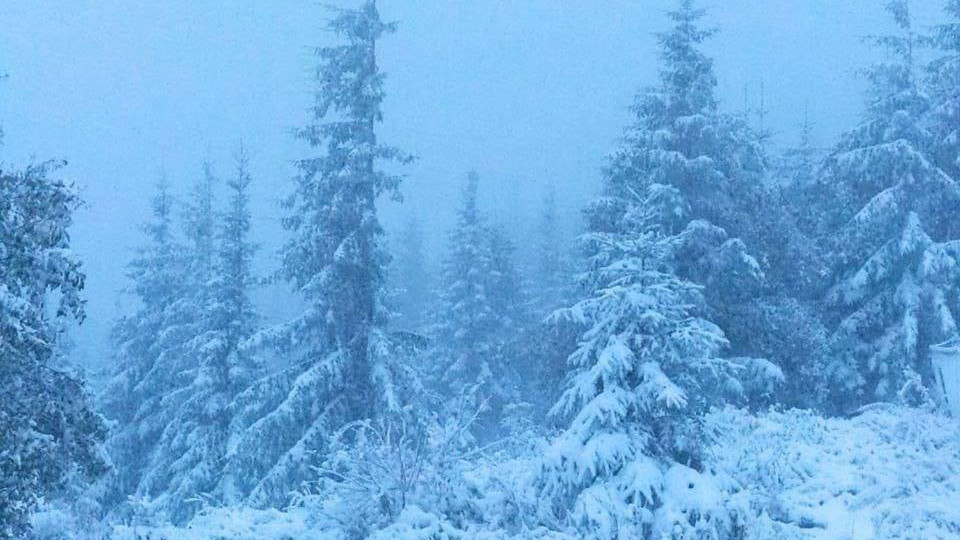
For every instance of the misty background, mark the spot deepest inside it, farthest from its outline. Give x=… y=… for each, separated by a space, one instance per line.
x=129 y=90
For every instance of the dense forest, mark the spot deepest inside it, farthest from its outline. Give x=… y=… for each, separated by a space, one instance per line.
x=737 y=343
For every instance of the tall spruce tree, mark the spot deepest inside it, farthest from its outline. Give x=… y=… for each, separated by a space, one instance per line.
x=896 y=253
x=680 y=139
x=481 y=310
x=134 y=396
x=175 y=452
x=48 y=431
x=335 y=257
x=187 y=463
x=660 y=265
x=346 y=367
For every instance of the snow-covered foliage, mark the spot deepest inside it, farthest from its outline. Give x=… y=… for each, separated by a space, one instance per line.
x=644 y=391
x=346 y=366
x=48 y=431
x=889 y=472
x=645 y=370
x=896 y=253
x=481 y=311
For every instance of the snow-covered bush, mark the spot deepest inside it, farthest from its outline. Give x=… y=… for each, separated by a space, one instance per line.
x=891 y=473
x=375 y=470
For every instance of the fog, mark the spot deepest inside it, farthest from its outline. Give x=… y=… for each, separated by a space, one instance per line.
x=529 y=94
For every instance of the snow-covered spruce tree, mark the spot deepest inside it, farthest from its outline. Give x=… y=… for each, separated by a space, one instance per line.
x=680 y=139
x=135 y=392
x=158 y=359
x=346 y=366
x=411 y=278
x=662 y=264
x=944 y=90
x=229 y=364
x=896 y=255
x=481 y=309
x=48 y=432
x=186 y=467
x=646 y=368
x=781 y=321
x=178 y=364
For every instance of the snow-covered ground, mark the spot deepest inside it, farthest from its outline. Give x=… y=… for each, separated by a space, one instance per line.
x=888 y=473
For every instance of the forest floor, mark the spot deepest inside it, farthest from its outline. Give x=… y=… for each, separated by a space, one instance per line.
x=887 y=473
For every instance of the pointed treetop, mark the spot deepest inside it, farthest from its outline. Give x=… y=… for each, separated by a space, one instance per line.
x=901 y=44
x=362 y=24
x=688 y=74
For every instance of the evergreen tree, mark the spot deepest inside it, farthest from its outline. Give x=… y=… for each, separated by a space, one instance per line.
x=945 y=92
x=173 y=454
x=481 y=310
x=48 y=432
x=661 y=262
x=335 y=257
x=134 y=397
x=346 y=367
x=680 y=139
x=645 y=368
x=187 y=463
x=896 y=254
x=235 y=315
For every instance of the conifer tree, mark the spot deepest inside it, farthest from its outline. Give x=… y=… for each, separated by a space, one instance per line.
x=346 y=366
x=945 y=91
x=335 y=257
x=648 y=361
x=646 y=367
x=481 y=309
x=681 y=139
x=172 y=454
x=896 y=254
x=186 y=467
x=134 y=396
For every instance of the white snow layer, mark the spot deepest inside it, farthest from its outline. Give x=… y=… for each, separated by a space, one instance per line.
x=889 y=473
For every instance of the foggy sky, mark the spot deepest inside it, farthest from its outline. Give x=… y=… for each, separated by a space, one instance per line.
x=526 y=92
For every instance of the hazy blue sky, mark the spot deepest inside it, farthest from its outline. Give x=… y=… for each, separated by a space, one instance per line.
x=524 y=91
